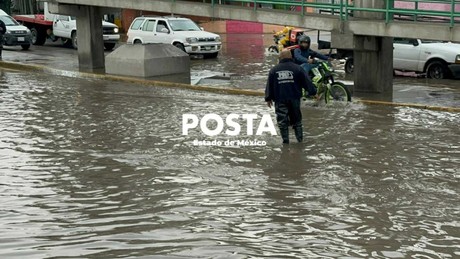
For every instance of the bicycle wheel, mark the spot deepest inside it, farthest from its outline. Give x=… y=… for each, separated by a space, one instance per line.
x=338 y=92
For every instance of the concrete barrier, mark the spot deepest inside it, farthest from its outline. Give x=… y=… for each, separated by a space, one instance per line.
x=147 y=61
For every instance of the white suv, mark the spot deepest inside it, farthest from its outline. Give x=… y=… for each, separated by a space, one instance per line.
x=180 y=32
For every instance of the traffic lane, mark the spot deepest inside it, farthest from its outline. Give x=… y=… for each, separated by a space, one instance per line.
x=51 y=54
x=52 y=51
x=246 y=73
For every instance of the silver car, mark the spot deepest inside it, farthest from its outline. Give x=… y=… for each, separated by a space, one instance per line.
x=16 y=34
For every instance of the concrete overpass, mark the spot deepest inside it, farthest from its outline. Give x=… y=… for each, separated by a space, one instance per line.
x=358 y=26
x=368 y=31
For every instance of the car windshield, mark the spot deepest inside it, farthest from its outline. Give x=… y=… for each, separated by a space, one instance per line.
x=8 y=20
x=183 y=25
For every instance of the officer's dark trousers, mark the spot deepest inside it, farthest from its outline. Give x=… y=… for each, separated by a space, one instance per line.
x=288 y=114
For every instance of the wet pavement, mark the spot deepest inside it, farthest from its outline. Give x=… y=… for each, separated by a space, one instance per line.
x=244 y=63
x=100 y=169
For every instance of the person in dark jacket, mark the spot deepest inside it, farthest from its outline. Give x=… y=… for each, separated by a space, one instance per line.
x=304 y=56
x=2 y=33
x=284 y=87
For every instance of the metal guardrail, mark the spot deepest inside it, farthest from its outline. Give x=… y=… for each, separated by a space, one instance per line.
x=345 y=8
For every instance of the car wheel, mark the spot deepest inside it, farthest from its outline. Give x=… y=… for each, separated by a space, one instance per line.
x=437 y=70
x=38 y=37
x=74 y=40
x=137 y=42
x=25 y=47
x=349 y=66
x=34 y=34
x=179 y=46
x=109 y=46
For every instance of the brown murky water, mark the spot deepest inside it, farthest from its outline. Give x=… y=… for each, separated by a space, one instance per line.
x=96 y=169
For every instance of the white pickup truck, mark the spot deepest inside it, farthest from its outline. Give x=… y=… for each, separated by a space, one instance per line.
x=54 y=26
x=65 y=27
x=437 y=59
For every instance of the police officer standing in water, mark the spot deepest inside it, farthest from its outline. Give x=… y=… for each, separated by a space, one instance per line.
x=284 y=87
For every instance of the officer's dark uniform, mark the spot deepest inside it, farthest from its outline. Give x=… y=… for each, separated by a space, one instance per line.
x=284 y=87
x=2 y=33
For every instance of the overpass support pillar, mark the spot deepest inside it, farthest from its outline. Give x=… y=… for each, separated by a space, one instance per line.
x=373 y=64
x=90 y=40
x=373 y=56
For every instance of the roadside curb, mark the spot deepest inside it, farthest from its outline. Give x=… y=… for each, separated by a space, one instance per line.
x=40 y=68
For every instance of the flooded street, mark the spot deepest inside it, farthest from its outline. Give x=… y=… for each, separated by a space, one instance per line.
x=100 y=169
x=244 y=63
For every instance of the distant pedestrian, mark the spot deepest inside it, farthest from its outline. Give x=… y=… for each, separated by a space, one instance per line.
x=2 y=33
x=284 y=87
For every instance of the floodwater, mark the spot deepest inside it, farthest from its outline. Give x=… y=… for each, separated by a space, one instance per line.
x=98 y=169
x=244 y=63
